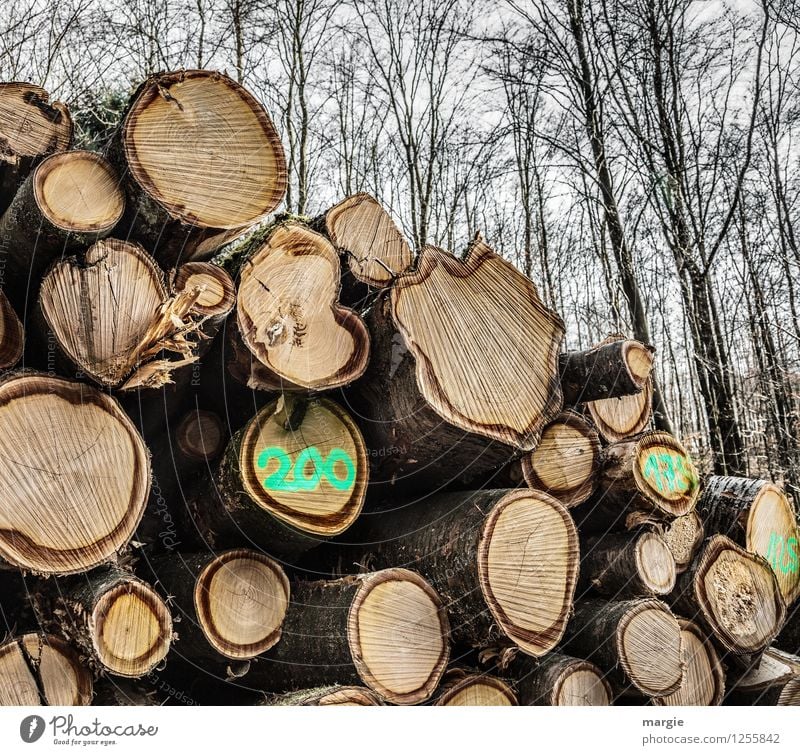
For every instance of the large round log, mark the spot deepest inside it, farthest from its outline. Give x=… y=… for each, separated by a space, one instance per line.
x=759 y=516
x=734 y=595
x=288 y=316
x=637 y=643
x=203 y=163
x=452 y=391
x=388 y=630
x=469 y=688
x=40 y=669
x=505 y=562
x=75 y=472
x=119 y=620
x=31 y=127
x=293 y=477
x=231 y=605
x=562 y=680
x=703 y=676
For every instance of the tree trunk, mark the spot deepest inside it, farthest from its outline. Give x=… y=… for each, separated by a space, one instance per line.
x=203 y=163
x=775 y=680
x=334 y=695
x=683 y=536
x=461 y=687
x=231 y=605
x=703 y=676
x=60 y=517
x=758 y=516
x=513 y=552
x=265 y=489
x=70 y=200
x=562 y=680
x=627 y=565
x=119 y=620
x=637 y=643
x=110 y=318
x=336 y=632
x=734 y=595
x=290 y=326
x=449 y=381
x=31 y=128
x=40 y=669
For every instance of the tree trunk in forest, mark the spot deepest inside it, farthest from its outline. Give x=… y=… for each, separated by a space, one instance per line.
x=80 y=517
x=562 y=680
x=182 y=136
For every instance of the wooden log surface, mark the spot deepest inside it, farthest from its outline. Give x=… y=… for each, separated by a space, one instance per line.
x=463 y=687
x=560 y=679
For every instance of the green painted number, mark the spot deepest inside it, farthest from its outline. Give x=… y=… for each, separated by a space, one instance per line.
x=308 y=471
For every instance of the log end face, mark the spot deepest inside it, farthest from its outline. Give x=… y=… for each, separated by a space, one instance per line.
x=200 y=436
x=216 y=291
x=581 y=684
x=30 y=125
x=656 y=564
x=478 y=690
x=665 y=475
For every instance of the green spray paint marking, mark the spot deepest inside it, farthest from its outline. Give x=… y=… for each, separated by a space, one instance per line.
x=782 y=554
x=290 y=478
x=669 y=472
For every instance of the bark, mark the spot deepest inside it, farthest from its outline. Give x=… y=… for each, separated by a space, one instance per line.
x=562 y=680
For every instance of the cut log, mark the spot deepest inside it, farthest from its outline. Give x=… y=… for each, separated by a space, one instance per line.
x=12 y=336
x=683 y=536
x=608 y=371
x=216 y=293
x=71 y=200
x=651 y=474
x=335 y=695
x=112 y=320
x=203 y=164
x=703 y=677
x=75 y=472
x=360 y=228
x=200 y=436
x=759 y=516
x=289 y=317
x=469 y=688
x=388 y=630
x=627 y=565
x=505 y=562
x=562 y=680
x=40 y=669
x=566 y=462
x=31 y=127
x=231 y=605
x=734 y=594
x=765 y=682
x=452 y=392
x=636 y=642
x=293 y=477
x=120 y=621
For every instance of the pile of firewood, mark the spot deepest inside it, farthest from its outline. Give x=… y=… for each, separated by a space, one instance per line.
x=303 y=464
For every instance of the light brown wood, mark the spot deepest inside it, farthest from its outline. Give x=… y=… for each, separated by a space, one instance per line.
x=40 y=669
x=205 y=163
x=112 y=318
x=764 y=682
x=216 y=289
x=562 y=680
x=75 y=472
x=703 y=676
x=336 y=695
x=463 y=688
x=289 y=317
x=683 y=536
x=376 y=252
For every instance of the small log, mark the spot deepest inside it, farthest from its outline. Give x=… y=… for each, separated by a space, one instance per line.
x=200 y=436
x=566 y=462
x=293 y=477
x=461 y=687
x=119 y=620
x=388 y=630
x=216 y=294
x=562 y=680
x=288 y=315
x=734 y=595
x=375 y=250
x=75 y=472
x=636 y=642
x=683 y=536
x=776 y=677
x=231 y=605
x=31 y=127
x=627 y=565
x=608 y=371
x=451 y=391
x=760 y=517
x=336 y=695
x=203 y=163
x=703 y=677
x=505 y=562
x=40 y=669
x=112 y=320
x=12 y=336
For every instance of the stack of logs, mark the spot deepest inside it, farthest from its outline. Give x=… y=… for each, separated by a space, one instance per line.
x=278 y=460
